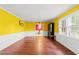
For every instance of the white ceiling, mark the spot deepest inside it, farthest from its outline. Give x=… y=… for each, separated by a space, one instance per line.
x=37 y=12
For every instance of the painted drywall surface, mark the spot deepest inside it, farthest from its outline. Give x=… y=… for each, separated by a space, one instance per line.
x=70 y=43
x=56 y=20
x=7 y=40
x=9 y=24
x=12 y=31
x=31 y=26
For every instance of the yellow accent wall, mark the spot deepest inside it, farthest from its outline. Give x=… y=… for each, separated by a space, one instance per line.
x=30 y=26
x=56 y=20
x=9 y=24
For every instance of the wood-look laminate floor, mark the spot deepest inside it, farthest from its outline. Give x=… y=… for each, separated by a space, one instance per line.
x=36 y=46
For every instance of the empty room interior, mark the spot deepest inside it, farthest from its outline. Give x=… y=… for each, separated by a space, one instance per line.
x=39 y=29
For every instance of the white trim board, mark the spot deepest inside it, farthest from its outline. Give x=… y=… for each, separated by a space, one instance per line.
x=7 y=40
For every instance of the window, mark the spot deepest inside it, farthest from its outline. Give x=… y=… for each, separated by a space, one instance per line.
x=69 y=26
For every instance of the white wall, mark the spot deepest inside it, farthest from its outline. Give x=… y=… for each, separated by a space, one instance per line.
x=70 y=43
x=10 y=39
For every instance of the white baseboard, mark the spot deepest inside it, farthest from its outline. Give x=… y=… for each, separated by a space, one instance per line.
x=8 y=40
x=31 y=33
x=70 y=43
